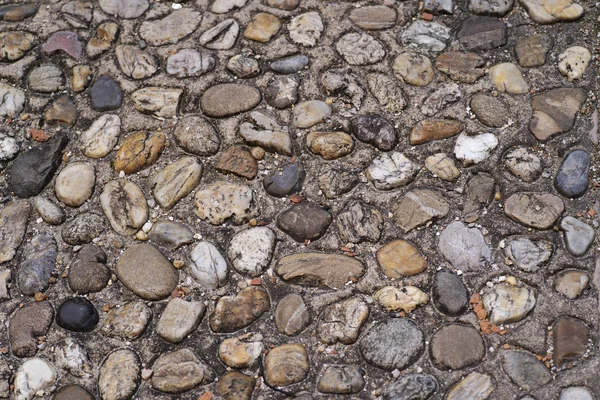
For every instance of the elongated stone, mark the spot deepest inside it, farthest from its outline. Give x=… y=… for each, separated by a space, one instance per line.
x=315 y=269
x=176 y=181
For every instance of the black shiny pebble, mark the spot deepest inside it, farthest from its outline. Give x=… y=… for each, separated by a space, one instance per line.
x=77 y=314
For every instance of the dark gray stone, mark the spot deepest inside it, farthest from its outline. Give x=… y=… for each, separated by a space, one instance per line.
x=40 y=261
x=33 y=169
x=394 y=344
x=88 y=272
x=572 y=176
x=374 y=130
x=456 y=346
x=282 y=92
x=525 y=370
x=83 y=228
x=479 y=193
x=171 y=234
x=578 y=235
x=289 y=65
x=305 y=221
x=285 y=181
x=106 y=94
x=77 y=314
x=449 y=293
x=482 y=33
x=411 y=387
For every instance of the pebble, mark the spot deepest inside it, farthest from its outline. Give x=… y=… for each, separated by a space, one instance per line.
x=9 y=148
x=474 y=149
x=65 y=42
x=576 y=393
x=494 y=8
x=74 y=358
x=88 y=272
x=524 y=164
x=175 y=181
x=405 y=299
x=14 y=218
x=417 y=207
x=569 y=339
x=241 y=351
x=262 y=27
x=374 y=130
x=360 y=49
x=578 y=235
x=234 y=202
x=573 y=62
x=400 y=258
x=138 y=151
x=535 y=210
x=74 y=185
x=442 y=97
x=359 y=222
x=310 y=113
x=124 y=205
x=341 y=379
x=554 y=111
x=473 y=386
x=171 y=234
x=291 y=315
x=286 y=364
x=449 y=293
x=507 y=77
x=250 y=250
x=128 y=9
x=17 y=12
x=83 y=228
x=46 y=79
x=550 y=11
x=158 y=101
x=394 y=344
x=103 y=39
x=238 y=160
x=236 y=312
x=490 y=110
x=285 y=180
x=127 y=321
x=105 y=94
x=235 y=385
x=61 y=112
x=26 y=325
x=82 y=77
x=528 y=254
x=170 y=29
x=50 y=212
x=179 y=371
x=315 y=269
x=456 y=346
x=524 y=369
x=347 y=90
x=373 y=18
x=135 y=63
x=464 y=247
x=243 y=67
x=224 y=6
x=265 y=132
x=39 y=262
x=77 y=314
x=72 y=392
x=33 y=376
x=434 y=129
x=207 y=266
x=531 y=51
x=282 y=92
x=572 y=176
x=387 y=92
x=411 y=386
x=392 y=170
x=287 y=5
x=506 y=303
x=413 y=68
x=102 y=136
x=330 y=145
x=227 y=99
x=197 y=136
x=186 y=63
x=341 y=322
x=12 y=100
x=179 y=319
x=442 y=166
x=479 y=192
x=119 y=375
x=78 y=13
x=290 y=64
x=429 y=36
x=305 y=221
x=306 y=29
x=482 y=33
x=33 y=169
x=463 y=67
x=571 y=283
x=221 y=36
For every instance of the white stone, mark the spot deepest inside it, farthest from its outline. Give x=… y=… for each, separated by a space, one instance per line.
x=12 y=101
x=224 y=6
x=74 y=185
x=179 y=319
x=576 y=393
x=549 y=11
x=426 y=35
x=474 y=149
x=464 y=247
x=207 y=266
x=573 y=62
x=306 y=29
x=9 y=148
x=34 y=375
x=392 y=170
x=72 y=356
x=101 y=137
x=224 y=201
x=310 y=113
x=250 y=250
x=442 y=166
x=506 y=303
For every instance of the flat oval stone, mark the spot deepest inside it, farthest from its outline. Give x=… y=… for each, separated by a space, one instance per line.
x=241 y=351
x=238 y=160
x=227 y=99
x=40 y=260
x=449 y=293
x=289 y=65
x=179 y=319
x=124 y=204
x=461 y=66
x=71 y=392
x=413 y=68
x=138 y=151
x=285 y=181
x=62 y=111
x=50 y=212
x=291 y=315
x=531 y=51
x=536 y=210
x=310 y=113
x=171 y=234
x=490 y=110
x=341 y=379
x=572 y=176
x=170 y=29
x=17 y=12
x=330 y=145
x=235 y=312
x=550 y=11
x=101 y=137
x=373 y=18
x=189 y=62
x=456 y=346
x=74 y=185
x=571 y=283
x=570 y=339
x=176 y=181
x=250 y=250
x=375 y=130
x=578 y=235
x=207 y=266
x=236 y=203
x=411 y=387
x=524 y=369
x=77 y=314
x=46 y=79
x=286 y=364
x=127 y=321
x=119 y=375
x=146 y=272
x=400 y=258
x=305 y=221
x=508 y=78
x=161 y=102
x=505 y=303
x=434 y=129
x=179 y=371
x=124 y=8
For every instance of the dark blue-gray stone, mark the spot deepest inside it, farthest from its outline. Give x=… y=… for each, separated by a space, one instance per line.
x=375 y=130
x=289 y=65
x=285 y=181
x=411 y=387
x=449 y=293
x=572 y=176
x=77 y=314
x=106 y=94
x=40 y=261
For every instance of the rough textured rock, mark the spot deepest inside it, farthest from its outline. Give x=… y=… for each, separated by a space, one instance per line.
x=291 y=315
x=179 y=319
x=341 y=379
x=83 y=228
x=207 y=266
x=14 y=218
x=40 y=260
x=88 y=272
x=418 y=207
x=235 y=203
x=125 y=206
x=305 y=221
x=176 y=180
x=395 y=343
x=527 y=254
x=171 y=28
x=536 y=210
x=119 y=375
x=250 y=251
x=158 y=101
x=286 y=364
x=392 y=170
x=28 y=323
x=411 y=387
x=464 y=67
x=505 y=303
x=128 y=321
x=554 y=111
x=233 y=313
x=531 y=51
x=197 y=136
x=342 y=321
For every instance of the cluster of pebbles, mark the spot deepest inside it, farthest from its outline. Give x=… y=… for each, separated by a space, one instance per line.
x=268 y=199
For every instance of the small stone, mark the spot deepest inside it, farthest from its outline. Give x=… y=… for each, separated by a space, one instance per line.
x=74 y=185
x=508 y=78
x=578 y=235
x=224 y=6
x=146 y=272
x=287 y=5
x=48 y=211
x=456 y=346
x=479 y=193
x=171 y=234
x=387 y=92
x=400 y=258
x=413 y=68
x=341 y=379
x=82 y=76
x=28 y=323
x=417 y=207
x=392 y=170
x=233 y=202
x=442 y=97
x=207 y=266
x=347 y=92
x=535 y=210
x=179 y=319
x=221 y=36
x=236 y=312
x=306 y=29
x=250 y=250
x=73 y=357
x=310 y=113
x=175 y=181
x=474 y=149
x=314 y=269
x=336 y=179
x=243 y=67
x=497 y=8
x=374 y=130
x=63 y=42
x=482 y=33
x=170 y=29
x=33 y=376
x=463 y=247
x=572 y=176
x=576 y=393
x=46 y=79
x=124 y=205
x=449 y=293
x=359 y=222
x=507 y=303
x=289 y=65
x=527 y=254
x=434 y=129
x=197 y=136
x=9 y=148
x=227 y=99
x=439 y=6
x=285 y=181
x=235 y=385
x=134 y=62
x=411 y=387
x=360 y=49
x=105 y=94
x=373 y=18
x=406 y=298
x=262 y=27
x=99 y=140
x=571 y=283
x=573 y=62
x=13 y=225
x=394 y=344
x=531 y=51
x=291 y=315
x=72 y=392
x=489 y=110
x=61 y=112
x=78 y=13
x=473 y=386
x=239 y=161
x=524 y=164
x=461 y=66
x=282 y=92
x=17 y=12
x=127 y=321
x=241 y=351
x=554 y=111
x=83 y=228
x=12 y=100
x=14 y=45
x=286 y=364
x=341 y=322
x=330 y=145
x=305 y=221
x=430 y=36
x=524 y=369
x=88 y=272
x=40 y=260
x=77 y=314
x=158 y=101
x=442 y=166
x=124 y=8
x=550 y=11
x=265 y=132
x=186 y=63
x=119 y=375
x=570 y=339
x=138 y=151
x=104 y=37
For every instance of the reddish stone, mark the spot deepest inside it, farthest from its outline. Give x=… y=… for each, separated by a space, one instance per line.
x=239 y=161
x=64 y=41
x=570 y=340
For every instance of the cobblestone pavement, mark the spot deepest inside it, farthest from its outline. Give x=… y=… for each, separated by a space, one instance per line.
x=309 y=199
